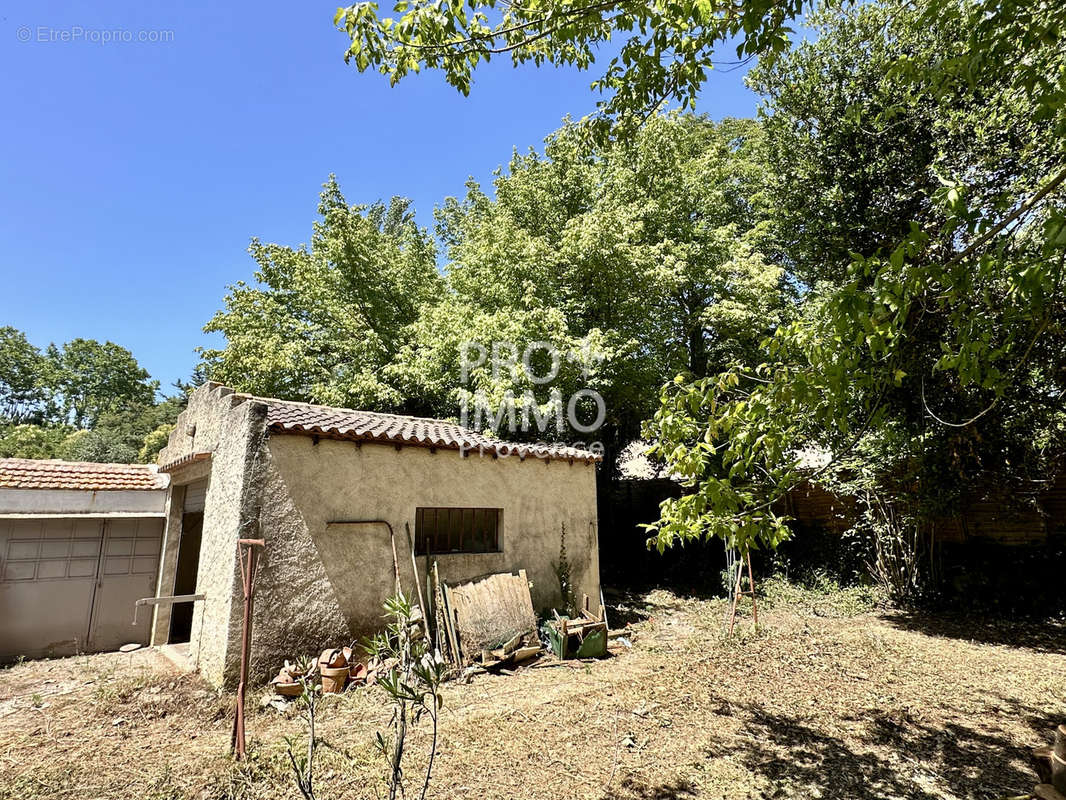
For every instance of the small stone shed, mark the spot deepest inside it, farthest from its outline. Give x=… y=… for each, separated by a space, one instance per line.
x=324 y=487
x=79 y=545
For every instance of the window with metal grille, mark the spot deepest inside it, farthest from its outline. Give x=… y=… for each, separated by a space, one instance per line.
x=457 y=530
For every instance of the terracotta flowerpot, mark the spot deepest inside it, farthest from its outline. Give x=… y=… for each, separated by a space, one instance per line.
x=357 y=672
x=289 y=689
x=333 y=657
x=333 y=678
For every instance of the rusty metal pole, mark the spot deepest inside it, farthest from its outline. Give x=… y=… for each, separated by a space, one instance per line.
x=246 y=548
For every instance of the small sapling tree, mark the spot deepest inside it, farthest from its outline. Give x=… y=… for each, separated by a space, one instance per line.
x=413 y=677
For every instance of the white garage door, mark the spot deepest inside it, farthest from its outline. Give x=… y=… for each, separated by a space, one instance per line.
x=68 y=585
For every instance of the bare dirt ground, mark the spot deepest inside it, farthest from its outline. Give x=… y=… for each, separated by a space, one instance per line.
x=823 y=702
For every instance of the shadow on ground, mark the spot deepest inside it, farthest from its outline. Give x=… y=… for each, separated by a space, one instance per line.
x=901 y=756
x=1040 y=636
x=625 y=607
x=633 y=790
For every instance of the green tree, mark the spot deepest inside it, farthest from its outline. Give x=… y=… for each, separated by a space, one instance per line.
x=323 y=323
x=931 y=150
x=154 y=441
x=92 y=379
x=134 y=435
x=96 y=445
x=926 y=143
x=31 y=441
x=665 y=53
x=919 y=201
x=23 y=379
x=429 y=370
x=92 y=401
x=644 y=260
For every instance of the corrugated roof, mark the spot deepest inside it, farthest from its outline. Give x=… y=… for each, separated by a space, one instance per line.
x=345 y=423
x=28 y=473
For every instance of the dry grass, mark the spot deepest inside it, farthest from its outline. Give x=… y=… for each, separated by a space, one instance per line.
x=817 y=704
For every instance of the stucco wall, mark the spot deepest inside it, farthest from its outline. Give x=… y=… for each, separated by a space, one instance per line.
x=231 y=428
x=230 y=514
x=202 y=425
x=322 y=579
x=63 y=502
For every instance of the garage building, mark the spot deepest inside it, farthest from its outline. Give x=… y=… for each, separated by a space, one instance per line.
x=79 y=544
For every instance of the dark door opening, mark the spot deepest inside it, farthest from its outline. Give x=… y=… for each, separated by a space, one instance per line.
x=192 y=526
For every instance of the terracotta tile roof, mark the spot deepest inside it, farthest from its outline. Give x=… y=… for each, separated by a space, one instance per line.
x=185 y=460
x=27 y=473
x=344 y=423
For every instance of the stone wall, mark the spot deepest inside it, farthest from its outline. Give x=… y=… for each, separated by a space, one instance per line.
x=1032 y=519
x=327 y=567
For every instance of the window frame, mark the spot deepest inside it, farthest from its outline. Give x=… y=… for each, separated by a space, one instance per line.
x=471 y=522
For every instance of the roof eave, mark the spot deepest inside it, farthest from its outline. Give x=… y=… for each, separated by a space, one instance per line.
x=522 y=451
x=185 y=460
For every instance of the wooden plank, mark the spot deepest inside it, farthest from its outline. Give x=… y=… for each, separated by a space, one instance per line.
x=526 y=596
x=449 y=622
x=440 y=618
x=510 y=647
x=525 y=653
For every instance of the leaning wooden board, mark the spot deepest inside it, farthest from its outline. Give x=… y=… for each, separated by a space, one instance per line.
x=490 y=612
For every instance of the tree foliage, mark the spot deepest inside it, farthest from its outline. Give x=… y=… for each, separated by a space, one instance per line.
x=664 y=50
x=919 y=156
x=631 y=263
x=136 y=435
x=23 y=379
x=84 y=401
x=31 y=441
x=647 y=259
x=920 y=205
x=323 y=323
x=91 y=378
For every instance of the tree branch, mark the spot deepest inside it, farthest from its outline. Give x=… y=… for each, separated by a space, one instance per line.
x=1024 y=208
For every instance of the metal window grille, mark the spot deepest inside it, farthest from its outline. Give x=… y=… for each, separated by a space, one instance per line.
x=457 y=530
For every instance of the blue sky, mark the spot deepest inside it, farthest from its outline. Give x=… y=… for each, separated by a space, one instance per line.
x=134 y=174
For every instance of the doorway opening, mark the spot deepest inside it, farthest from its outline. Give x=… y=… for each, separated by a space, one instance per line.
x=192 y=526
